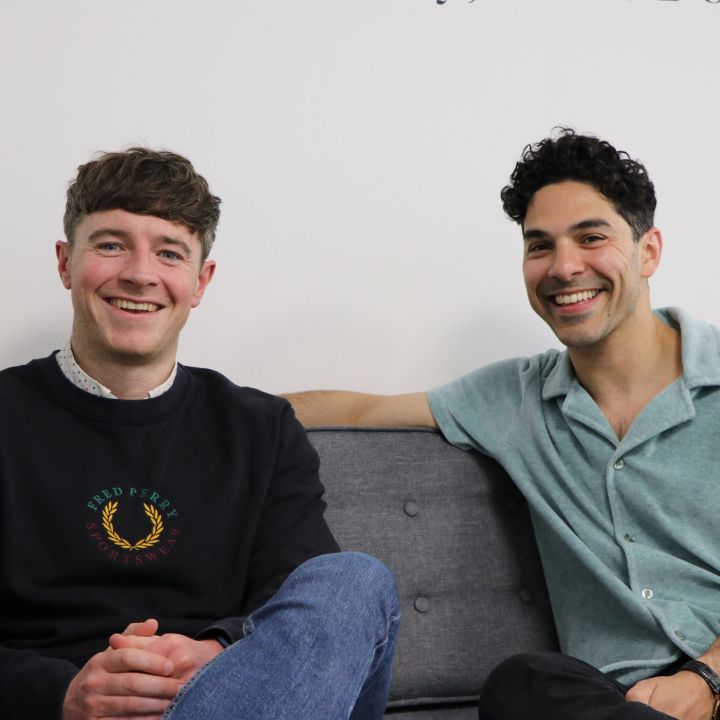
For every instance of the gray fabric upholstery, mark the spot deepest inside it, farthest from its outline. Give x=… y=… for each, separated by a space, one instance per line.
x=435 y=712
x=457 y=535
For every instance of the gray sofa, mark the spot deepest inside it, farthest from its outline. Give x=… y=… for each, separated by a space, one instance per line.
x=457 y=535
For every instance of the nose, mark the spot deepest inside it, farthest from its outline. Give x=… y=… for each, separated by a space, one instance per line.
x=567 y=261
x=138 y=268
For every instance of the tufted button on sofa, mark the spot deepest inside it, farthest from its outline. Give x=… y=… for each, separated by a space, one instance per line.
x=457 y=535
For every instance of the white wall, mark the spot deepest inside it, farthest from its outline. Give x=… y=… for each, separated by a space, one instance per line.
x=359 y=147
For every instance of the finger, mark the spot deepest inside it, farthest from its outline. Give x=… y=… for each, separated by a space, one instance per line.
x=129 y=707
x=140 y=692
x=145 y=628
x=136 y=660
x=640 y=692
x=118 y=641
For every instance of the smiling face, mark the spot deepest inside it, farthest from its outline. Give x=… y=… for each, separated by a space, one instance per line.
x=585 y=275
x=133 y=281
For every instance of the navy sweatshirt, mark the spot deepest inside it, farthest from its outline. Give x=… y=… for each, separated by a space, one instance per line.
x=191 y=507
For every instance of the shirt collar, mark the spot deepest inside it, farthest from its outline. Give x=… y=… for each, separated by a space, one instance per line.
x=80 y=379
x=700 y=344
x=700 y=347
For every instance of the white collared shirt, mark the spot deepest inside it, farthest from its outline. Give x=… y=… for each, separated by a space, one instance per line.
x=80 y=379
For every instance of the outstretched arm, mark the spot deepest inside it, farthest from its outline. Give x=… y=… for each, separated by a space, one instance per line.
x=340 y=407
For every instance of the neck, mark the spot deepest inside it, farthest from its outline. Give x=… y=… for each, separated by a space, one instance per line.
x=628 y=369
x=126 y=380
x=629 y=355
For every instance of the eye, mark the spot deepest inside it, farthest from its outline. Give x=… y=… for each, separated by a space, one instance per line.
x=110 y=247
x=536 y=247
x=170 y=255
x=587 y=239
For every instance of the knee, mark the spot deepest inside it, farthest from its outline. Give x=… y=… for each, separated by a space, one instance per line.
x=549 y=680
x=512 y=676
x=359 y=580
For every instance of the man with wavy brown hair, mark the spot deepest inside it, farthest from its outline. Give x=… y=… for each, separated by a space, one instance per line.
x=163 y=550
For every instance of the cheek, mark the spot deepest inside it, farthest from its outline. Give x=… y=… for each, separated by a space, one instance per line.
x=531 y=276
x=88 y=276
x=182 y=290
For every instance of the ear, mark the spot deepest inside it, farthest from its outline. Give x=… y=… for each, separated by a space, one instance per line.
x=62 y=252
x=650 y=251
x=206 y=275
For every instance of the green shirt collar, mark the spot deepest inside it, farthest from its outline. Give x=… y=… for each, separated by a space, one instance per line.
x=700 y=356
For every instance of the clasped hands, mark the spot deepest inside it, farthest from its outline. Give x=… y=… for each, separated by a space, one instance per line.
x=137 y=676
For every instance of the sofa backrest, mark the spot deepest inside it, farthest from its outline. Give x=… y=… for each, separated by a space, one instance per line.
x=456 y=533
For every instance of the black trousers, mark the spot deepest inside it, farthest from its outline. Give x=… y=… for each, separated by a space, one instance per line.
x=551 y=686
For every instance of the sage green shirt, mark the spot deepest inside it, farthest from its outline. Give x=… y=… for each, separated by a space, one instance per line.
x=628 y=530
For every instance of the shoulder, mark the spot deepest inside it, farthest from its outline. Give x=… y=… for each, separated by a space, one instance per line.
x=223 y=395
x=21 y=379
x=700 y=346
x=24 y=396
x=513 y=374
x=259 y=423
x=480 y=409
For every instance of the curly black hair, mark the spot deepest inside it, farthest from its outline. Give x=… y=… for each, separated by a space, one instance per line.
x=622 y=180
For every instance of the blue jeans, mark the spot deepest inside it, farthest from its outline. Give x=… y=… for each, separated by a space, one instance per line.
x=320 y=649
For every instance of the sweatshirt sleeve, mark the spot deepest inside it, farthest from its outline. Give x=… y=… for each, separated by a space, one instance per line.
x=32 y=687
x=292 y=527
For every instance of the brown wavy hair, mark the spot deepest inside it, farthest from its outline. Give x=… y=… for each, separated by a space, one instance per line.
x=146 y=182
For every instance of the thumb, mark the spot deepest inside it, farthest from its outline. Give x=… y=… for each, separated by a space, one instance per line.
x=641 y=692
x=146 y=628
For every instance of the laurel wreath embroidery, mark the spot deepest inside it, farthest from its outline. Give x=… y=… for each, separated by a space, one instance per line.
x=152 y=538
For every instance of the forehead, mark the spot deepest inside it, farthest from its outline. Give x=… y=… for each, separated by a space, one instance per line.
x=555 y=208
x=121 y=223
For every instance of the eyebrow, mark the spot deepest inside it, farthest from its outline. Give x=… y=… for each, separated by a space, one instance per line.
x=124 y=235
x=582 y=225
x=101 y=232
x=167 y=240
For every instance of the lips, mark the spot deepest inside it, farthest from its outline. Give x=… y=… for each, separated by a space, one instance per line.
x=132 y=306
x=575 y=297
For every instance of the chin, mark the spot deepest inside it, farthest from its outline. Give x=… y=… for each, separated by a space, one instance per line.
x=579 y=339
x=134 y=355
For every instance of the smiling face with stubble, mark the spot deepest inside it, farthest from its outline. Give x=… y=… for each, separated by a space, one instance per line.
x=584 y=271
x=133 y=281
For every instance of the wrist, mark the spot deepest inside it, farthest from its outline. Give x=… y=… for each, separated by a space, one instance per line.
x=216 y=634
x=712 y=659
x=214 y=645
x=711 y=679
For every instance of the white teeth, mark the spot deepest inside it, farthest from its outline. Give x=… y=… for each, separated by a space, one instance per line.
x=575 y=297
x=130 y=305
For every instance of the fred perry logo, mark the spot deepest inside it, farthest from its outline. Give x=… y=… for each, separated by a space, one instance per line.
x=152 y=538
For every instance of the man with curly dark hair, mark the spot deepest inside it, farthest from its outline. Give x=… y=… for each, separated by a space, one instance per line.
x=163 y=549
x=612 y=442
x=614 y=174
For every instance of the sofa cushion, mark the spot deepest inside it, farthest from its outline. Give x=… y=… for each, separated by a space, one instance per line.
x=466 y=711
x=457 y=535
